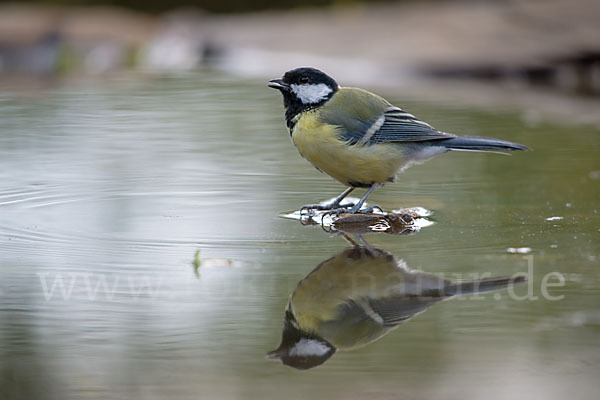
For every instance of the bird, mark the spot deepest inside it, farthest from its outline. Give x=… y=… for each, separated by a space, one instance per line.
x=359 y=138
x=356 y=297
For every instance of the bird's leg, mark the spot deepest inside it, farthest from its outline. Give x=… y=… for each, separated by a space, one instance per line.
x=354 y=243
x=336 y=203
x=358 y=205
x=356 y=208
x=363 y=243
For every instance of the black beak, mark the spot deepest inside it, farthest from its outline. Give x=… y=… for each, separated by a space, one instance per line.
x=274 y=355
x=278 y=84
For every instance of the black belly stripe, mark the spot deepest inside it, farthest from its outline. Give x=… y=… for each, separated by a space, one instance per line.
x=367 y=185
x=360 y=184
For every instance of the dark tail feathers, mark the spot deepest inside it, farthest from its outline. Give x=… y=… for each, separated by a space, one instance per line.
x=477 y=143
x=484 y=285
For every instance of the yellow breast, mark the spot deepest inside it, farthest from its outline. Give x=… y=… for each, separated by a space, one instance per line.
x=351 y=165
x=339 y=280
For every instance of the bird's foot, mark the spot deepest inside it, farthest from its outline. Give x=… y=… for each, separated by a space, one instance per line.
x=309 y=209
x=346 y=210
x=369 y=210
x=337 y=211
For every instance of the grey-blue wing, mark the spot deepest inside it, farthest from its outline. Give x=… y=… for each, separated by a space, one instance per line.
x=394 y=125
x=361 y=321
x=387 y=312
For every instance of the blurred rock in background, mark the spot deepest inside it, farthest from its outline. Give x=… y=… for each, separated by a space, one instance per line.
x=37 y=39
x=548 y=44
x=177 y=43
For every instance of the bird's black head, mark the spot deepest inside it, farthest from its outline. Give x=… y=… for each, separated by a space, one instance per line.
x=302 y=89
x=300 y=349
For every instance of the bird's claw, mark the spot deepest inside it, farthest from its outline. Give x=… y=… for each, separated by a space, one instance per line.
x=306 y=210
x=310 y=208
x=336 y=212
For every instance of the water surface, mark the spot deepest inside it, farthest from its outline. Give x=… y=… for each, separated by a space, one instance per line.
x=108 y=190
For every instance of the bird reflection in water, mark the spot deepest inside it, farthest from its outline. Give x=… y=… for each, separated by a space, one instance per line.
x=358 y=296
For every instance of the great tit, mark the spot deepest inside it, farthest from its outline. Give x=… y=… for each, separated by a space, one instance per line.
x=359 y=138
x=355 y=298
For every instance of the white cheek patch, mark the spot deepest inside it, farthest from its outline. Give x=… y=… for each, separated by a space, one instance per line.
x=311 y=94
x=309 y=347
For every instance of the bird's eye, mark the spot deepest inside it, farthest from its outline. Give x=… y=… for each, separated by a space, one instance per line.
x=304 y=79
